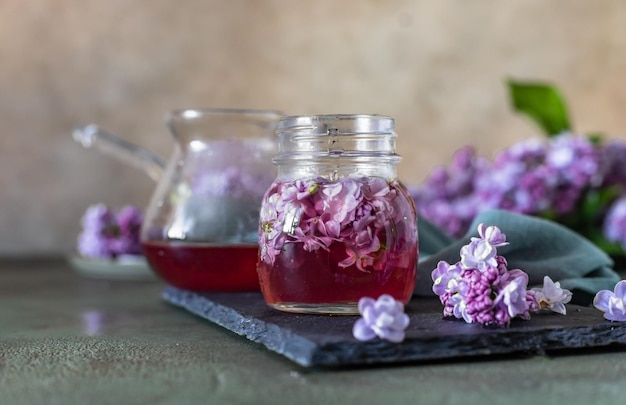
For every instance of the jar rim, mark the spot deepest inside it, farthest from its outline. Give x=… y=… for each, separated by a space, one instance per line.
x=190 y=113
x=337 y=124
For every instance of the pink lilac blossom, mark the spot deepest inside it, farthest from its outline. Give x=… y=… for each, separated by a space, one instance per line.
x=612 y=303
x=98 y=224
x=108 y=234
x=448 y=197
x=551 y=296
x=480 y=288
x=615 y=222
x=532 y=177
x=612 y=170
x=319 y=212
x=383 y=317
x=126 y=242
x=271 y=237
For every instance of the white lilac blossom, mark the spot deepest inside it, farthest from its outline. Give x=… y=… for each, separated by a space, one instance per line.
x=551 y=296
x=481 y=252
x=612 y=303
x=383 y=317
x=108 y=234
x=480 y=288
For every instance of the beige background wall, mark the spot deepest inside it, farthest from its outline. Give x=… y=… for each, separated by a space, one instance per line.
x=438 y=67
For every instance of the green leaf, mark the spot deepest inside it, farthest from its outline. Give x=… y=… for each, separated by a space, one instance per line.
x=596 y=138
x=541 y=102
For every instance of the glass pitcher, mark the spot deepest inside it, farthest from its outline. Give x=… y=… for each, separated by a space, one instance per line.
x=200 y=227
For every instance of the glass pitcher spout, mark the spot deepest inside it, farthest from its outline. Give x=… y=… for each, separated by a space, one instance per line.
x=92 y=136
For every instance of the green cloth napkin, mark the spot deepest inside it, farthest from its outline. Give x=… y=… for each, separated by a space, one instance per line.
x=537 y=246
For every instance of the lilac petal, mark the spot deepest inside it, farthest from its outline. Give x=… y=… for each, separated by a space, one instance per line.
x=495 y=236
x=481 y=230
x=559 y=307
x=385 y=320
x=620 y=289
x=601 y=300
x=385 y=303
x=350 y=260
x=370 y=315
x=395 y=336
x=400 y=322
x=520 y=275
x=441 y=269
x=616 y=311
x=361 y=331
x=365 y=302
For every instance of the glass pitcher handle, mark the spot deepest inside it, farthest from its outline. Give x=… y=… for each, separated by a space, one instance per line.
x=91 y=135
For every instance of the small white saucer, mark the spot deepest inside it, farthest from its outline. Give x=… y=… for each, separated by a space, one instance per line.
x=125 y=267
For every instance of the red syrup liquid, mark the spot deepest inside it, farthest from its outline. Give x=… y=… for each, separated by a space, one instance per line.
x=315 y=278
x=204 y=267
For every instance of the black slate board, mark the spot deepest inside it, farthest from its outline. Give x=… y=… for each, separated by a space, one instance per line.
x=327 y=341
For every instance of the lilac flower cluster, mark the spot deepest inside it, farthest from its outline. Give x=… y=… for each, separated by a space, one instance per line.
x=447 y=197
x=319 y=212
x=230 y=168
x=535 y=177
x=383 y=317
x=108 y=234
x=481 y=289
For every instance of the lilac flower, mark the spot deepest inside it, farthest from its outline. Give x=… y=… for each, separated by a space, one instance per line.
x=551 y=296
x=612 y=303
x=108 y=234
x=98 y=226
x=445 y=277
x=614 y=227
x=493 y=235
x=517 y=180
x=512 y=296
x=479 y=254
x=271 y=239
x=612 y=170
x=383 y=317
x=574 y=158
x=448 y=196
x=94 y=245
x=297 y=196
x=341 y=200
x=128 y=220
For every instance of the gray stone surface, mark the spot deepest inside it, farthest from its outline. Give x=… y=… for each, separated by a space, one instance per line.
x=68 y=340
x=326 y=341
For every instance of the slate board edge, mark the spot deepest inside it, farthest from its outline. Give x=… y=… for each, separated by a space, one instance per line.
x=295 y=347
x=465 y=346
x=308 y=353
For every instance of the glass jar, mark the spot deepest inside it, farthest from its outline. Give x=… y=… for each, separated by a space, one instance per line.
x=337 y=224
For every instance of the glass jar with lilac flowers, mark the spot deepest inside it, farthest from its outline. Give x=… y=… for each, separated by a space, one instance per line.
x=337 y=224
